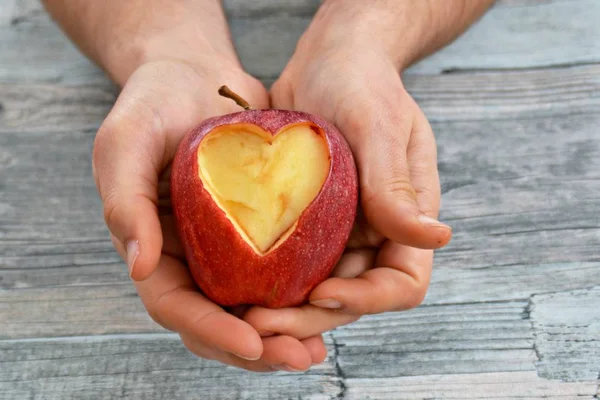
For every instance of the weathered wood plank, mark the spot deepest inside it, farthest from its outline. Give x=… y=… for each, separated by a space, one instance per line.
x=499 y=283
x=476 y=337
x=50 y=212
x=87 y=309
x=507 y=95
x=14 y=12
x=519 y=161
x=521 y=185
x=497 y=386
x=260 y=9
x=469 y=338
x=33 y=49
x=524 y=35
x=51 y=108
x=142 y=367
x=455 y=97
x=566 y=328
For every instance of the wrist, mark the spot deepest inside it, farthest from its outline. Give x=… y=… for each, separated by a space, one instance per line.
x=191 y=32
x=407 y=30
x=392 y=29
x=121 y=61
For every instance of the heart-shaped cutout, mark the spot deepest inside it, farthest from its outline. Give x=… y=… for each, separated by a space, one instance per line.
x=262 y=182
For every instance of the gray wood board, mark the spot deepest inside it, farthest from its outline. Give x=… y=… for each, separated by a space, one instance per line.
x=497 y=386
x=566 y=327
x=142 y=367
x=431 y=352
x=512 y=308
x=549 y=93
x=32 y=48
x=446 y=339
x=49 y=107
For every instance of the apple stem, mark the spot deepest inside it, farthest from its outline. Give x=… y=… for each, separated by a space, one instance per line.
x=230 y=94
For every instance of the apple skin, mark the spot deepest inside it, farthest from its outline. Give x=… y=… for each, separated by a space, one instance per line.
x=225 y=267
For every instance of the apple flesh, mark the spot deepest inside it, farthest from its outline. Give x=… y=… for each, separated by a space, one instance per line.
x=264 y=202
x=263 y=183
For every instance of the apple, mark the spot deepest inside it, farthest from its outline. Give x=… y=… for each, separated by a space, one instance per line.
x=264 y=202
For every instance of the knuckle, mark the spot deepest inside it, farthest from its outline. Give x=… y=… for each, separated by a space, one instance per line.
x=153 y=312
x=111 y=206
x=108 y=130
x=430 y=192
x=159 y=306
x=416 y=298
x=429 y=207
x=400 y=188
x=196 y=348
x=155 y=316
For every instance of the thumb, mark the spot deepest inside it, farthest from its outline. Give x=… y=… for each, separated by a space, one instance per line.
x=125 y=161
x=383 y=137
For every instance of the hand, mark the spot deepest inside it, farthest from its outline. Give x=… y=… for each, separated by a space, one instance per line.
x=355 y=83
x=134 y=147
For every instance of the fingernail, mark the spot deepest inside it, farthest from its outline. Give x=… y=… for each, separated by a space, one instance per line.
x=246 y=357
x=426 y=220
x=284 y=367
x=327 y=303
x=265 y=333
x=133 y=251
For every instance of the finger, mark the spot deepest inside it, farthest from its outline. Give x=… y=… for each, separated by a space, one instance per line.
x=173 y=301
x=380 y=136
x=281 y=353
x=202 y=350
x=300 y=322
x=399 y=282
x=286 y=353
x=316 y=348
x=363 y=234
x=354 y=262
x=171 y=243
x=423 y=166
x=125 y=167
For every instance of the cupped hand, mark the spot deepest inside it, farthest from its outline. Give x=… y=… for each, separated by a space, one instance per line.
x=161 y=101
x=355 y=84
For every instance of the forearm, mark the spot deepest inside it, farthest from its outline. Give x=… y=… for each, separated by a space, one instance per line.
x=406 y=30
x=121 y=35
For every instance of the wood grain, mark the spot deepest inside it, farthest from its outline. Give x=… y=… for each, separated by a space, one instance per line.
x=453 y=339
x=497 y=386
x=508 y=282
x=551 y=93
x=523 y=34
x=512 y=308
x=51 y=108
x=141 y=367
x=485 y=96
x=566 y=327
x=84 y=309
x=265 y=34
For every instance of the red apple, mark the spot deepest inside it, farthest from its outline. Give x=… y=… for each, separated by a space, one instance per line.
x=264 y=202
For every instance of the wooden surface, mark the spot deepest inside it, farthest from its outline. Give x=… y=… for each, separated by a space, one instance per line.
x=513 y=308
